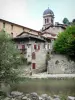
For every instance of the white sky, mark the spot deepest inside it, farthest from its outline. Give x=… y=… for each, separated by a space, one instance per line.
x=29 y=12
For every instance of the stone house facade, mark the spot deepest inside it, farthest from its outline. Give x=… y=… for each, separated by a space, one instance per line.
x=34 y=48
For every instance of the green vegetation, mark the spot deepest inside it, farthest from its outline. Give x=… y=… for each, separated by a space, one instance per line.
x=65 y=21
x=73 y=22
x=9 y=59
x=65 y=43
x=48 y=56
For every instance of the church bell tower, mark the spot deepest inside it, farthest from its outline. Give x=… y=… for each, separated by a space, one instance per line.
x=48 y=18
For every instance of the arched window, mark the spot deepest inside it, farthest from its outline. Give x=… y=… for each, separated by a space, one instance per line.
x=47 y=20
x=33 y=55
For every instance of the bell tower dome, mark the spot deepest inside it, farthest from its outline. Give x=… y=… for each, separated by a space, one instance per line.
x=48 y=18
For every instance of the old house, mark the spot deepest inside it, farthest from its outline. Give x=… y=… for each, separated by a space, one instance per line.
x=34 y=48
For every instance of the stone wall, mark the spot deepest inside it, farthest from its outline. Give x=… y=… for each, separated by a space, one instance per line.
x=59 y=64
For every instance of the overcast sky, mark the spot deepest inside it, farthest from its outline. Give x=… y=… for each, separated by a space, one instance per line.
x=29 y=12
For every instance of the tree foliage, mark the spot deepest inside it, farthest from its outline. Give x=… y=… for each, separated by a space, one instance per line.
x=73 y=22
x=65 y=43
x=66 y=21
x=9 y=58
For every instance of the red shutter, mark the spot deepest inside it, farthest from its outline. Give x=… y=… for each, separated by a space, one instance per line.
x=35 y=47
x=38 y=47
x=23 y=46
x=33 y=65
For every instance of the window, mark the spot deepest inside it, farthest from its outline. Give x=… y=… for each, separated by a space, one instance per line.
x=3 y=25
x=35 y=47
x=11 y=27
x=12 y=34
x=47 y=20
x=51 y=20
x=44 y=45
x=23 y=47
x=33 y=55
x=48 y=46
x=38 y=47
x=28 y=45
x=33 y=65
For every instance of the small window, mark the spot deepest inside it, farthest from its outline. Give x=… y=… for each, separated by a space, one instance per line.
x=38 y=47
x=3 y=25
x=51 y=20
x=33 y=55
x=44 y=45
x=48 y=46
x=33 y=65
x=12 y=34
x=45 y=21
x=11 y=27
x=35 y=47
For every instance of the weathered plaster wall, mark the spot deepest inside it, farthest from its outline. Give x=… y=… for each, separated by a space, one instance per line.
x=40 y=55
x=16 y=29
x=59 y=64
x=40 y=61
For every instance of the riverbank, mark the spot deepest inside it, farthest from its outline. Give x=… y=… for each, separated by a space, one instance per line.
x=16 y=95
x=45 y=75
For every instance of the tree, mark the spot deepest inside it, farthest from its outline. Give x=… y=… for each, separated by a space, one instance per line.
x=66 y=21
x=73 y=21
x=9 y=59
x=65 y=43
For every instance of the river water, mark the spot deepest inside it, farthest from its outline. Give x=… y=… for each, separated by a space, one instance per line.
x=47 y=86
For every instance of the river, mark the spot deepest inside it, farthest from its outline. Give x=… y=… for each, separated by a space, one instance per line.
x=48 y=86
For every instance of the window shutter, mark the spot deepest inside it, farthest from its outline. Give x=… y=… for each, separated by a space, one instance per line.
x=23 y=46
x=33 y=65
x=35 y=47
